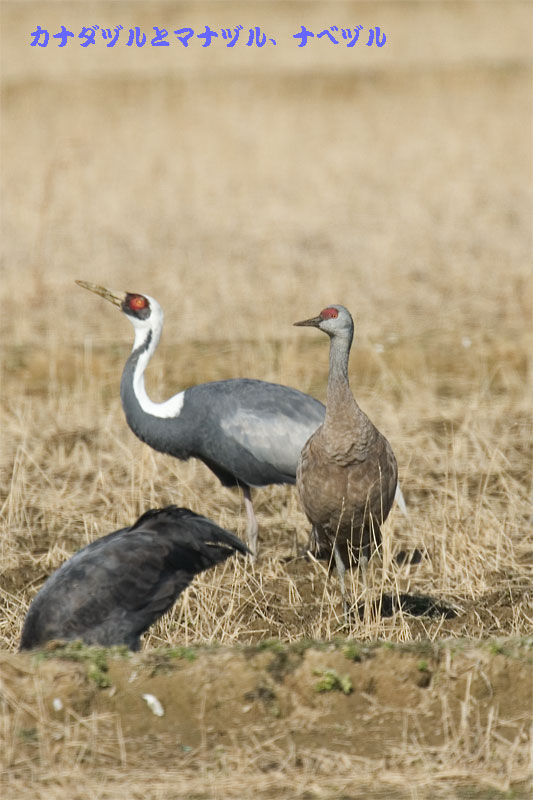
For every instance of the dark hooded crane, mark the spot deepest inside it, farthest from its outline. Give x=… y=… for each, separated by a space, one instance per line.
x=347 y=474
x=248 y=432
x=111 y=591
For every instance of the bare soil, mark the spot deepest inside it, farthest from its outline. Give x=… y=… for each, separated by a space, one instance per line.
x=274 y=709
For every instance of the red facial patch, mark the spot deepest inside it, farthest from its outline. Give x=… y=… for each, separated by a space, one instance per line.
x=137 y=302
x=329 y=313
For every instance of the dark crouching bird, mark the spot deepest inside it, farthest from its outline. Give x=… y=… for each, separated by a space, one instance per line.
x=347 y=474
x=248 y=432
x=111 y=591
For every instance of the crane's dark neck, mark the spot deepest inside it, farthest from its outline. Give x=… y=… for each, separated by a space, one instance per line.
x=157 y=424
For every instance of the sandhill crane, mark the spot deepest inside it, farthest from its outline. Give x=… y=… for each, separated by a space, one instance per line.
x=248 y=432
x=113 y=589
x=347 y=473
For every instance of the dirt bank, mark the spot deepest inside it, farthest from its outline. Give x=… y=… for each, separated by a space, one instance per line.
x=274 y=709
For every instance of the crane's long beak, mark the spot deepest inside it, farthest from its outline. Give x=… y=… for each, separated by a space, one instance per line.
x=314 y=322
x=107 y=294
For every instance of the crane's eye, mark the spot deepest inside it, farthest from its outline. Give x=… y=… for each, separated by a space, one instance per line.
x=329 y=313
x=137 y=302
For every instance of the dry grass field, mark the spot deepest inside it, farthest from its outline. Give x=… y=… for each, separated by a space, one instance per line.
x=246 y=189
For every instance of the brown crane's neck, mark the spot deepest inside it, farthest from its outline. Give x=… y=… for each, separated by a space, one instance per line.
x=341 y=403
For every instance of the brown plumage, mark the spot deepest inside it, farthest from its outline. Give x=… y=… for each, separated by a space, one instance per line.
x=347 y=474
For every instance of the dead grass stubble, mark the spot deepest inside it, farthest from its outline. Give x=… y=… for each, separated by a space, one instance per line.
x=76 y=472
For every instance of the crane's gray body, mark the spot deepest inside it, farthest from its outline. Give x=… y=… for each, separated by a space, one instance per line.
x=113 y=589
x=248 y=432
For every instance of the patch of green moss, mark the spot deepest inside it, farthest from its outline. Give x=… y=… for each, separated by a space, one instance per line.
x=512 y=648
x=353 y=651
x=275 y=645
x=184 y=653
x=97 y=672
x=302 y=645
x=331 y=681
x=78 y=651
x=163 y=660
x=95 y=658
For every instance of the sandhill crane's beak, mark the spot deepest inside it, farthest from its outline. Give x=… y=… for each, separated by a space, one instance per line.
x=314 y=322
x=113 y=297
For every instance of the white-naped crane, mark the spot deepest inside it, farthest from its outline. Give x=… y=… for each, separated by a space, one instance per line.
x=248 y=432
x=112 y=590
x=347 y=474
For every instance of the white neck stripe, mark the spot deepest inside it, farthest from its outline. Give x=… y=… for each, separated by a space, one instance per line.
x=171 y=407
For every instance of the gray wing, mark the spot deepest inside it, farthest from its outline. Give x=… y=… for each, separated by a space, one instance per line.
x=269 y=425
x=273 y=440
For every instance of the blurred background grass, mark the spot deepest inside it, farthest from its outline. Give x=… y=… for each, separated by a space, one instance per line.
x=246 y=187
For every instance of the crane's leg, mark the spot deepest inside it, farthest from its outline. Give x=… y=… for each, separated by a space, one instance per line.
x=341 y=571
x=363 y=570
x=313 y=543
x=401 y=501
x=315 y=547
x=252 y=526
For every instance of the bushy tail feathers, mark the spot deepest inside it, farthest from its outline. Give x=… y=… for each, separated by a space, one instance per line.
x=195 y=537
